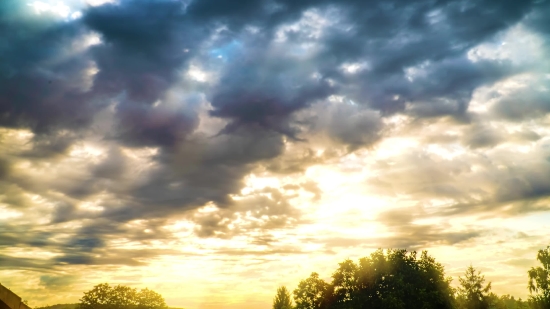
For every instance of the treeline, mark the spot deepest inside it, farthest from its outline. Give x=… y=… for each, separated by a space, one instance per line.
x=104 y=296
x=399 y=279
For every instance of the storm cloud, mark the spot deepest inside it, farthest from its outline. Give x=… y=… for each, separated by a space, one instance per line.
x=121 y=120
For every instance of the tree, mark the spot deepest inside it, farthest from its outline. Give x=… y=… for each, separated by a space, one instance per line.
x=392 y=280
x=282 y=299
x=399 y=278
x=148 y=299
x=539 y=281
x=103 y=296
x=471 y=292
x=311 y=293
x=506 y=302
x=344 y=285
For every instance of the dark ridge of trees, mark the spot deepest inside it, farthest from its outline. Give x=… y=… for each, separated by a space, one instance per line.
x=60 y=306
x=507 y=302
x=74 y=306
x=399 y=279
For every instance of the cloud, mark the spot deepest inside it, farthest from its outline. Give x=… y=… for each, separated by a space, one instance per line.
x=528 y=100
x=521 y=263
x=261 y=210
x=40 y=85
x=479 y=136
x=56 y=282
x=409 y=234
x=143 y=115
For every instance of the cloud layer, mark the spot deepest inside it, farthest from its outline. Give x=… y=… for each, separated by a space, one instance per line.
x=136 y=131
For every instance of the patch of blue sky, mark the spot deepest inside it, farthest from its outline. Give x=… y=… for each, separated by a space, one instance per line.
x=227 y=51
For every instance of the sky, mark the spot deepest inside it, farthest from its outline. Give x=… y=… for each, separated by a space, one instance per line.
x=214 y=150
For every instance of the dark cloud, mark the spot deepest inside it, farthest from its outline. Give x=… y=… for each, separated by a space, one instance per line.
x=146 y=126
x=272 y=61
x=264 y=92
x=41 y=88
x=409 y=237
x=4 y=168
x=56 y=282
x=409 y=234
x=9 y=262
x=521 y=183
x=50 y=145
x=361 y=127
x=113 y=167
x=527 y=102
x=478 y=137
x=410 y=58
x=143 y=47
x=538 y=17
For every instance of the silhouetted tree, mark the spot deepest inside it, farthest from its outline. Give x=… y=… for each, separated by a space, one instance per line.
x=398 y=279
x=103 y=296
x=539 y=281
x=394 y=280
x=506 y=302
x=472 y=294
x=312 y=293
x=345 y=285
x=282 y=299
x=149 y=299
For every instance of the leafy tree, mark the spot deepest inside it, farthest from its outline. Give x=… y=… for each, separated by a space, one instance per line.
x=345 y=285
x=396 y=279
x=149 y=299
x=282 y=299
x=312 y=293
x=539 y=281
x=103 y=296
x=506 y=302
x=472 y=294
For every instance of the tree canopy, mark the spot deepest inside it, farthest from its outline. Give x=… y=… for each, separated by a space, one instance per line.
x=539 y=280
x=394 y=279
x=472 y=294
x=104 y=296
x=282 y=300
x=312 y=293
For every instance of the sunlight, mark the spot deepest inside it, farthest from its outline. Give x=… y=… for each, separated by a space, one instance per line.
x=8 y=213
x=58 y=7
x=87 y=151
x=254 y=183
x=99 y=2
x=197 y=74
x=91 y=206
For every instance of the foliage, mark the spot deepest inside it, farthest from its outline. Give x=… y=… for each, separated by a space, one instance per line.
x=539 y=281
x=103 y=296
x=506 y=302
x=282 y=299
x=393 y=280
x=472 y=294
x=311 y=293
